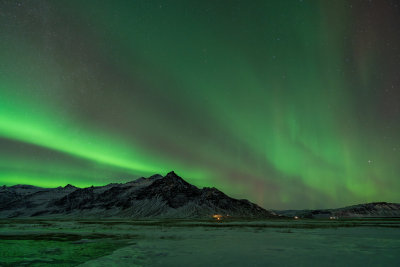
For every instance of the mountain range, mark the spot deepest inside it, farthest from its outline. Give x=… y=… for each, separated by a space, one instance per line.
x=156 y=197
x=367 y=210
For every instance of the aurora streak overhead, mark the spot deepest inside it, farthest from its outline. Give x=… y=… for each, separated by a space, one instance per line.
x=290 y=104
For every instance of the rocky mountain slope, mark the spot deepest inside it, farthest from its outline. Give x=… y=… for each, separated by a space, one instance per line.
x=375 y=209
x=156 y=196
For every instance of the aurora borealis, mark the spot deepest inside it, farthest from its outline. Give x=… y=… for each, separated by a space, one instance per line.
x=290 y=104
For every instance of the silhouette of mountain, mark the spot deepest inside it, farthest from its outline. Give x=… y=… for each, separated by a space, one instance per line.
x=374 y=209
x=156 y=196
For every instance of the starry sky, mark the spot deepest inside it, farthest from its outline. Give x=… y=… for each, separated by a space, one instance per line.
x=290 y=104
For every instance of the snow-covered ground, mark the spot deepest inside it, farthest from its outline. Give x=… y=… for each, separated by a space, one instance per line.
x=201 y=243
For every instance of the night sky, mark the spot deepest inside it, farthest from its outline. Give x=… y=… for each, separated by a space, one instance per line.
x=287 y=103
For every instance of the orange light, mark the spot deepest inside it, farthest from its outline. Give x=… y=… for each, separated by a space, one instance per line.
x=217 y=216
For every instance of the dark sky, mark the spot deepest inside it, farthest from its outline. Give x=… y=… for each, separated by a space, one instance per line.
x=290 y=104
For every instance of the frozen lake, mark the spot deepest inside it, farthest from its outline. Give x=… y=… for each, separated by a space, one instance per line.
x=372 y=242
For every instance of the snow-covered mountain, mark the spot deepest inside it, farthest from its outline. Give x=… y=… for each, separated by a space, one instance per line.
x=156 y=196
x=375 y=209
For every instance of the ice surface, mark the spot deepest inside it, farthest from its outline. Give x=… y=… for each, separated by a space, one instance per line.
x=201 y=243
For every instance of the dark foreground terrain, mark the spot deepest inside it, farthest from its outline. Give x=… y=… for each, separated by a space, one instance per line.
x=357 y=242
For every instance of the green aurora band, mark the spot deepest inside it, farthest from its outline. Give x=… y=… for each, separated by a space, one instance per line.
x=291 y=104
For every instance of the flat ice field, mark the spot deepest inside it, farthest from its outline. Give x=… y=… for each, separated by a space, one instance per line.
x=364 y=242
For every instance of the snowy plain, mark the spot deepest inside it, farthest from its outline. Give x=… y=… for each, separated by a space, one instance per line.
x=371 y=242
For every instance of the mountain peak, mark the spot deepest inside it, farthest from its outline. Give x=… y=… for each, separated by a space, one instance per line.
x=172 y=174
x=172 y=179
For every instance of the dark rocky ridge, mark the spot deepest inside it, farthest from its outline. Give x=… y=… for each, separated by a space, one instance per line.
x=156 y=196
x=374 y=209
